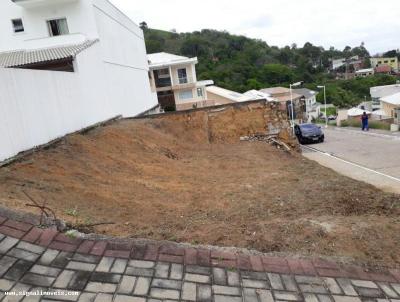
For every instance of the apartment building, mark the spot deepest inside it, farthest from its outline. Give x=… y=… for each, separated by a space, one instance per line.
x=392 y=62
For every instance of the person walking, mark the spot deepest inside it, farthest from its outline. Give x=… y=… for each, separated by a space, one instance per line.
x=364 y=121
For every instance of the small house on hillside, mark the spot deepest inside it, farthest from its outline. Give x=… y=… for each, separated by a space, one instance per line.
x=363 y=73
x=383 y=69
x=391 y=105
x=379 y=92
x=173 y=78
x=393 y=63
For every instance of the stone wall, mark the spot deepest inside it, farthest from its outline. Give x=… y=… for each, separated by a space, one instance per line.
x=227 y=123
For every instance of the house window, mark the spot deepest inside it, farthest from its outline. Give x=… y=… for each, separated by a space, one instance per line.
x=58 y=27
x=186 y=95
x=200 y=92
x=18 y=25
x=182 y=76
x=163 y=73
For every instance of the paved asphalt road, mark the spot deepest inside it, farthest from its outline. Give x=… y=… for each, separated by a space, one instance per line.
x=376 y=150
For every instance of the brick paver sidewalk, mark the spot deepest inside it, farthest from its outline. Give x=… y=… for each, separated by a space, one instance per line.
x=33 y=259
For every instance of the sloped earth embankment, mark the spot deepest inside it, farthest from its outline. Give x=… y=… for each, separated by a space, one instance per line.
x=164 y=178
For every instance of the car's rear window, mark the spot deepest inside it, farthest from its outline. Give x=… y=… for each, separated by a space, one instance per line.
x=308 y=126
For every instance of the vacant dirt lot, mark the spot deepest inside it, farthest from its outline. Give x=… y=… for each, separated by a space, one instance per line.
x=160 y=179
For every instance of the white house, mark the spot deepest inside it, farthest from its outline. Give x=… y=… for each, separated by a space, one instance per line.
x=65 y=65
x=379 y=92
x=338 y=63
x=391 y=105
x=363 y=73
x=174 y=80
x=312 y=107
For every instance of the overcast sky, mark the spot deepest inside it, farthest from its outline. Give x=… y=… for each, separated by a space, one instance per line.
x=279 y=22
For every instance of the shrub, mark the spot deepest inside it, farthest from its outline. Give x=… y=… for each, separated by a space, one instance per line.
x=170 y=108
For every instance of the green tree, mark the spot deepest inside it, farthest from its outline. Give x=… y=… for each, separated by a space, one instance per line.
x=276 y=74
x=253 y=84
x=392 y=54
x=194 y=47
x=240 y=63
x=143 y=25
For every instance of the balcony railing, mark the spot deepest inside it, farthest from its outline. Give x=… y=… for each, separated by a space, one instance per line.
x=54 y=41
x=163 y=82
x=183 y=81
x=175 y=83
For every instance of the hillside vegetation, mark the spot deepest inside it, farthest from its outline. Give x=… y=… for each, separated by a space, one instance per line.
x=240 y=63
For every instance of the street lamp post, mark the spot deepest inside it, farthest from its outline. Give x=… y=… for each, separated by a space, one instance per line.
x=326 y=116
x=291 y=102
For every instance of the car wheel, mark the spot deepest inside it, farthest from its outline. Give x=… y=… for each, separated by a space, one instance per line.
x=322 y=139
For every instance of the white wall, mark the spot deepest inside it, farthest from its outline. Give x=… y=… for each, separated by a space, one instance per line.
x=79 y=16
x=195 y=98
x=129 y=90
x=111 y=77
x=122 y=41
x=123 y=52
x=39 y=106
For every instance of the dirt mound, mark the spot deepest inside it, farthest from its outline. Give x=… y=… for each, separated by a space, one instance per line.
x=186 y=177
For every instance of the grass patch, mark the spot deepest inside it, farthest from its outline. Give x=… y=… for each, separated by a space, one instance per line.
x=372 y=124
x=72 y=212
x=321 y=122
x=329 y=111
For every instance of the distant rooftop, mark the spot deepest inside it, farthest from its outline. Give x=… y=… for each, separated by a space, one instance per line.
x=28 y=57
x=357 y=112
x=308 y=93
x=281 y=94
x=275 y=90
x=161 y=59
x=258 y=95
x=365 y=70
x=393 y=99
x=382 y=91
x=204 y=83
x=383 y=58
x=229 y=94
x=383 y=69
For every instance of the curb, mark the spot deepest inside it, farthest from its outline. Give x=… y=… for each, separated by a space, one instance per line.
x=175 y=253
